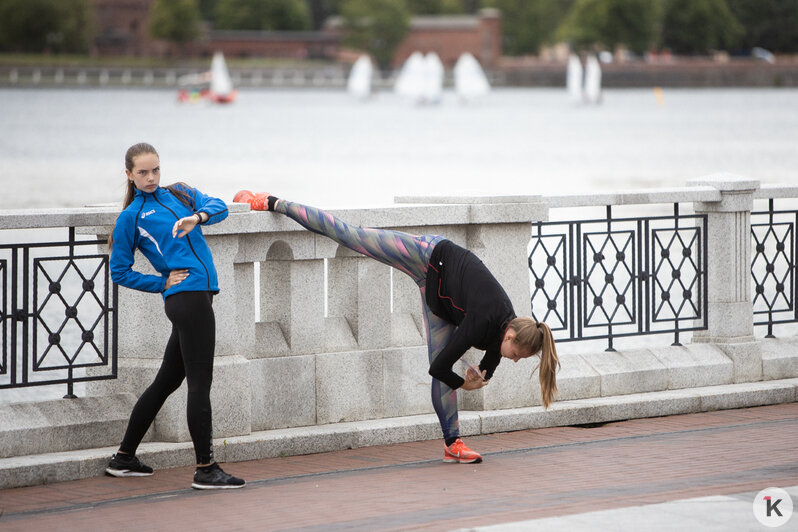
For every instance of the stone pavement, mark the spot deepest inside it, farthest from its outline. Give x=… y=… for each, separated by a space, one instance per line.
x=616 y=476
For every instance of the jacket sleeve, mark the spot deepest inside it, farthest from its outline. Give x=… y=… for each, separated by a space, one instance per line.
x=215 y=208
x=123 y=256
x=491 y=360
x=459 y=342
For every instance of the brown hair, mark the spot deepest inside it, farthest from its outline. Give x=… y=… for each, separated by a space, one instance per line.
x=536 y=336
x=130 y=191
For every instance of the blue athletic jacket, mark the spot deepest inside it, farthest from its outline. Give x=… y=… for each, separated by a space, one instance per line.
x=146 y=224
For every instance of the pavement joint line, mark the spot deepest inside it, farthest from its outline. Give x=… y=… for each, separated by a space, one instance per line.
x=291 y=478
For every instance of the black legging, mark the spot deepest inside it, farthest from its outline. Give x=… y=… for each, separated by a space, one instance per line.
x=189 y=355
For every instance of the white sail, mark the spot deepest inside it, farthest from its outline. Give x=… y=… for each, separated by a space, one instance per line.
x=359 y=82
x=469 y=79
x=592 y=80
x=409 y=82
x=433 y=79
x=573 y=78
x=221 y=84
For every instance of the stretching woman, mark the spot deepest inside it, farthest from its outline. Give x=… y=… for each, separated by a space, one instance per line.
x=163 y=223
x=464 y=306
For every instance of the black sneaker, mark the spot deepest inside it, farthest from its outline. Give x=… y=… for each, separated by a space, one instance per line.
x=123 y=465
x=213 y=478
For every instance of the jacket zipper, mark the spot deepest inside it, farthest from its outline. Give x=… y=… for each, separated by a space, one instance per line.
x=207 y=274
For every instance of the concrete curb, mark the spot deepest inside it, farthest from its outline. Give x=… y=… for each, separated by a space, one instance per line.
x=72 y=465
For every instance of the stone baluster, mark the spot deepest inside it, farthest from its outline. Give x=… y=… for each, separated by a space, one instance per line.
x=730 y=320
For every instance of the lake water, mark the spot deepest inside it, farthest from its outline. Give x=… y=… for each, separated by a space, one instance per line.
x=65 y=147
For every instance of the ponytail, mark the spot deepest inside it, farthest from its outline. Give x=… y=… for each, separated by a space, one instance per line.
x=535 y=336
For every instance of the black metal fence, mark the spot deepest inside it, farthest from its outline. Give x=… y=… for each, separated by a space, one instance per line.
x=58 y=314
x=615 y=277
x=773 y=267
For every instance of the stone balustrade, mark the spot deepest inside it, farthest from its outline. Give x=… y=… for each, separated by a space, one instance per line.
x=299 y=365
x=310 y=334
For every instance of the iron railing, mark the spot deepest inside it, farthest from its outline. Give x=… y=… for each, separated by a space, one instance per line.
x=58 y=314
x=773 y=267
x=609 y=278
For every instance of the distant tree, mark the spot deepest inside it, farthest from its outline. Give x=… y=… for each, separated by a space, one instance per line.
x=609 y=23
x=176 y=21
x=436 y=7
x=321 y=10
x=207 y=9
x=771 y=24
x=698 y=26
x=376 y=27
x=273 y=15
x=58 y=26
x=528 y=25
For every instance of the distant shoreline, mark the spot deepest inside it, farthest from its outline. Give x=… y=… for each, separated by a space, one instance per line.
x=682 y=73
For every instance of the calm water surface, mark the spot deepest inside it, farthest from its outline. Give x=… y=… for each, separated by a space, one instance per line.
x=62 y=147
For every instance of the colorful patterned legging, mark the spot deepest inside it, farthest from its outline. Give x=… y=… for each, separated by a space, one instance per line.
x=405 y=252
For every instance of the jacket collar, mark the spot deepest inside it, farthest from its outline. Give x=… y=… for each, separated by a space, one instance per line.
x=160 y=191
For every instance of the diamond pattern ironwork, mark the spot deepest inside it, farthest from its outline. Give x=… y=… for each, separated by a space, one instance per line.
x=548 y=283
x=594 y=279
x=61 y=311
x=773 y=239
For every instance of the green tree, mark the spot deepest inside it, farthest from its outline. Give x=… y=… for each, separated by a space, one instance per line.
x=771 y=24
x=272 y=15
x=375 y=26
x=207 y=9
x=321 y=10
x=176 y=21
x=436 y=7
x=59 y=26
x=698 y=26
x=528 y=25
x=606 y=24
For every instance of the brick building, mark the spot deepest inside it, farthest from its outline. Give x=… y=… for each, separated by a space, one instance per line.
x=123 y=29
x=450 y=36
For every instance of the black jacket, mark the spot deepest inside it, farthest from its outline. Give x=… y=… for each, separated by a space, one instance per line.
x=462 y=291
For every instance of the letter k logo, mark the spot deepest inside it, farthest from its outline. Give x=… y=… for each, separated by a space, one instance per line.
x=772 y=506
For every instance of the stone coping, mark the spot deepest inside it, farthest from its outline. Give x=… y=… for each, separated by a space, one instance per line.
x=99 y=219
x=418 y=211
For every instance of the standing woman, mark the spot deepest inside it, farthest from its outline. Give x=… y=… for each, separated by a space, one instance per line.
x=464 y=306
x=163 y=223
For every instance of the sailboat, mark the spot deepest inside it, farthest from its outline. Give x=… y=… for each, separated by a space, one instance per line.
x=214 y=85
x=470 y=81
x=359 y=82
x=592 y=80
x=432 y=90
x=222 y=90
x=573 y=78
x=409 y=82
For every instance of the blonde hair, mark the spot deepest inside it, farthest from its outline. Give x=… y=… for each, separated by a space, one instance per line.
x=536 y=336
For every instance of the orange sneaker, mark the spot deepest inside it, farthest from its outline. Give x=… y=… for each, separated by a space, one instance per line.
x=458 y=453
x=258 y=201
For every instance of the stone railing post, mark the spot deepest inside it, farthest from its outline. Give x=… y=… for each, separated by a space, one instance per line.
x=730 y=319
x=285 y=339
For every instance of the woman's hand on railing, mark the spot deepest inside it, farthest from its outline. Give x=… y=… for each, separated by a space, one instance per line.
x=175 y=277
x=473 y=380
